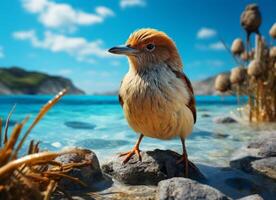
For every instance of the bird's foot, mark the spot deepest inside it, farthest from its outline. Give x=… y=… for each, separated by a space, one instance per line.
x=129 y=154
x=187 y=165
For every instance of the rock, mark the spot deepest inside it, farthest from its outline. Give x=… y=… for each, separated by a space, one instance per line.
x=266 y=167
x=224 y=120
x=258 y=157
x=265 y=144
x=185 y=189
x=89 y=174
x=155 y=166
x=252 y=197
x=80 y=125
x=243 y=163
x=205 y=115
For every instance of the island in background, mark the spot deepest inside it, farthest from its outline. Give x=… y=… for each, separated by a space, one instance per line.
x=202 y=87
x=15 y=80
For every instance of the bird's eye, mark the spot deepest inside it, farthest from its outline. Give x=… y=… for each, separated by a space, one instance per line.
x=150 y=47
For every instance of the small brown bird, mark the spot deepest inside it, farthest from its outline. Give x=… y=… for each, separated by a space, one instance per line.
x=156 y=96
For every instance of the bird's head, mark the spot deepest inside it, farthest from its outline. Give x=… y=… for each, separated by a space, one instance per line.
x=149 y=47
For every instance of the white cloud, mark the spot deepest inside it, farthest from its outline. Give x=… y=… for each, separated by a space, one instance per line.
x=217 y=46
x=35 y=6
x=104 y=11
x=63 y=16
x=132 y=3
x=206 y=33
x=2 y=55
x=77 y=47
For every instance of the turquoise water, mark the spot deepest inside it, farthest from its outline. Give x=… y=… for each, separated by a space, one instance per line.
x=97 y=123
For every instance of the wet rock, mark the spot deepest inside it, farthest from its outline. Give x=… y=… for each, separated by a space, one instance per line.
x=224 y=120
x=155 y=166
x=264 y=144
x=252 y=197
x=205 y=115
x=265 y=167
x=243 y=163
x=258 y=157
x=186 y=189
x=79 y=125
x=89 y=174
x=221 y=135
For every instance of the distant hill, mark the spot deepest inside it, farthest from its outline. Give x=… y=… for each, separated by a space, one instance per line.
x=202 y=87
x=206 y=86
x=16 y=80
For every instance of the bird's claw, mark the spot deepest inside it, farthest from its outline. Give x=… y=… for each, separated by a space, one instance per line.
x=129 y=155
x=187 y=164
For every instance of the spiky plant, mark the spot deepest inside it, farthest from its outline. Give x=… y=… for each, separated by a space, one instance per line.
x=259 y=83
x=35 y=175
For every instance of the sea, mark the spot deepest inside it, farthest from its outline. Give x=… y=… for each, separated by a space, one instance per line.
x=98 y=123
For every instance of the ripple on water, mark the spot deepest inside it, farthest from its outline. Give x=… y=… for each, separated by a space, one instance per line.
x=11 y=122
x=79 y=125
x=101 y=143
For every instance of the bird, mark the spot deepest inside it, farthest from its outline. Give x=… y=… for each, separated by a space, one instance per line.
x=156 y=96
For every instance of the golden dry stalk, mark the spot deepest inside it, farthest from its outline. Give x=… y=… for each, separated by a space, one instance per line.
x=36 y=175
x=237 y=46
x=237 y=75
x=222 y=83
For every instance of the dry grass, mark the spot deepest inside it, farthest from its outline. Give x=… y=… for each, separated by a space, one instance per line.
x=37 y=174
x=259 y=83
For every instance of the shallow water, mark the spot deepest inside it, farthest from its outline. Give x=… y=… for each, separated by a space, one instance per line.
x=97 y=122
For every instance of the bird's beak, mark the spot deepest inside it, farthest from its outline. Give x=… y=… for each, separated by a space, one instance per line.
x=124 y=50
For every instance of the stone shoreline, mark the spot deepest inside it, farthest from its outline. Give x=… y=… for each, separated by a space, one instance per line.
x=251 y=175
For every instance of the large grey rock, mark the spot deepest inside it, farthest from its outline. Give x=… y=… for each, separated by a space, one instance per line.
x=252 y=197
x=266 y=167
x=265 y=144
x=155 y=166
x=89 y=174
x=258 y=157
x=187 y=189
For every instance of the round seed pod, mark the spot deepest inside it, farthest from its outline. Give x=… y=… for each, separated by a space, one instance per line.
x=222 y=83
x=255 y=68
x=272 y=31
x=237 y=46
x=237 y=75
x=251 y=18
x=272 y=52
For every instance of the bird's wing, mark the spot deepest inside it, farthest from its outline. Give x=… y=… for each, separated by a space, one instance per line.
x=191 y=104
x=120 y=97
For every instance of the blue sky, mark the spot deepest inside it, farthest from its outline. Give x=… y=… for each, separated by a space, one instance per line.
x=70 y=37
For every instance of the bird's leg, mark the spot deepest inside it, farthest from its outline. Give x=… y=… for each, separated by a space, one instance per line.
x=135 y=150
x=184 y=158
